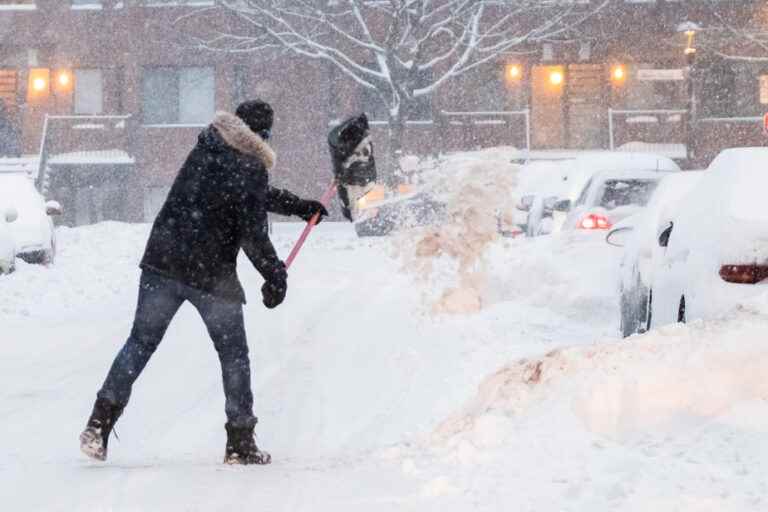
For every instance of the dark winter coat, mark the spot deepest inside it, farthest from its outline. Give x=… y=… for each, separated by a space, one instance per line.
x=217 y=205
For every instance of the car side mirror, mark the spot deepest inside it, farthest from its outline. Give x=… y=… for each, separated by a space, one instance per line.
x=53 y=208
x=618 y=237
x=525 y=203
x=11 y=214
x=563 y=205
x=665 y=234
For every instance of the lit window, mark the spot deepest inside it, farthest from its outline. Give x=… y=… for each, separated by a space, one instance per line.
x=764 y=89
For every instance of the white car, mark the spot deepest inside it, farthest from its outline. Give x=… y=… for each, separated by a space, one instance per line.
x=716 y=242
x=638 y=236
x=608 y=198
x=567 y=179
x=33 y=231
x=7 y=243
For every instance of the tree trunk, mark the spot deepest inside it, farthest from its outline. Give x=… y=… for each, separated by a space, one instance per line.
x=396 y=136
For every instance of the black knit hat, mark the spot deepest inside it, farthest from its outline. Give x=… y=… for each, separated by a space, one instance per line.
x=257 y=114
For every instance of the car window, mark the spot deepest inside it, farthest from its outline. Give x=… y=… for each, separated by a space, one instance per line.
x=583 y=196
x=616 y=193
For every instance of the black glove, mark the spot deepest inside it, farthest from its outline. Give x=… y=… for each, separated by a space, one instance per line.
x=307 y=208
x=273 y=290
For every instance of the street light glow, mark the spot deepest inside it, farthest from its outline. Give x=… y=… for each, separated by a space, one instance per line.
x=556 y=78
x=515 y=71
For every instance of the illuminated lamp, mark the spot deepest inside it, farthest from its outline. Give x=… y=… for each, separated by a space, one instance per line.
x=618 y=73
x=39 y=83
x=515 y=71
x=64 y=80
x=556 y=78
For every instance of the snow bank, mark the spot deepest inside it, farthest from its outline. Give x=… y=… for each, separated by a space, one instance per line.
x=613 y=389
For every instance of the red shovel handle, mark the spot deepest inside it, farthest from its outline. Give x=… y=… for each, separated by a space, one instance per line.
x=311 y=224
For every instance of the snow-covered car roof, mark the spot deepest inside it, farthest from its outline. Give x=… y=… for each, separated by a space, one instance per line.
x=582 y=168
x=724 y=215
x=639 y=174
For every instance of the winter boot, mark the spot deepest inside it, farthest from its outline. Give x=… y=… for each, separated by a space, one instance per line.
x=242 y=449
x=94 y=439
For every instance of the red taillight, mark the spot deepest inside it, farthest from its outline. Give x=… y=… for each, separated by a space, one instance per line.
x=744 y=274
x=593 y=221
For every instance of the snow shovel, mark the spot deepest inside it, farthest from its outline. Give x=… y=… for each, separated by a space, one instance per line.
x=354 y=171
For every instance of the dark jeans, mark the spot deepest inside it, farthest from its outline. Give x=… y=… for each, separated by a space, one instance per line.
x=159 y=300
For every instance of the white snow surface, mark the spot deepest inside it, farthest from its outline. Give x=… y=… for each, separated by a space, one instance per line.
x=367 y=402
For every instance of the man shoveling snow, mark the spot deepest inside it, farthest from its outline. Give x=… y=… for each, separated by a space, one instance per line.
x=217 y=205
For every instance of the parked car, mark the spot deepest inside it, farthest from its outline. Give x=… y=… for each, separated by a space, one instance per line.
x=637 y=235
x=8 y=215
x=568 y=178
x=33 y=233
x=382 y=210
x=609 y=197
x=715 y=242
x=538 y=218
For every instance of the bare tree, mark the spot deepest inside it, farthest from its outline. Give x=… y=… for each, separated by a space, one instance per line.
x=400 y=50
x=736 y=33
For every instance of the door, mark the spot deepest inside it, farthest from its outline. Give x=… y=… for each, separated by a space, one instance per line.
x=585 y=112
x=547 y=95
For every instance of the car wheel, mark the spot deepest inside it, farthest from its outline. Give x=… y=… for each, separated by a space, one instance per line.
x=681 y=317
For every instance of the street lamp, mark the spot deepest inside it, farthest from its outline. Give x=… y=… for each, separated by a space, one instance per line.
x=689 y=29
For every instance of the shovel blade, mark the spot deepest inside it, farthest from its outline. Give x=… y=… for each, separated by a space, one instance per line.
x=354 y=166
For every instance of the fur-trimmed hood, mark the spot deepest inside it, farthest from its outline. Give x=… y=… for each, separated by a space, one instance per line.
x=236 y=134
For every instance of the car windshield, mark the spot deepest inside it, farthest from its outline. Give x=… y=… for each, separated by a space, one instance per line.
x=625 y=192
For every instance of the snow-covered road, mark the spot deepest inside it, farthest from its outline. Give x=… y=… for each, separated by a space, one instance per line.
x=367 y=402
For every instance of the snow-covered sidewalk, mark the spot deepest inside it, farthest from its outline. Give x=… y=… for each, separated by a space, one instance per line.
x=368 y=402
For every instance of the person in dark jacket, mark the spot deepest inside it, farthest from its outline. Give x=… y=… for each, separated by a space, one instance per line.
x=217 y=205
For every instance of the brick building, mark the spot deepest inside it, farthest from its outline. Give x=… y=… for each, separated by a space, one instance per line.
x=125 y=97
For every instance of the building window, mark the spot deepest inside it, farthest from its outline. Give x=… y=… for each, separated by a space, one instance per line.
x=8 y=86
x=89 y=91
x=174 y=95
x=651 y=86
x=764 y=89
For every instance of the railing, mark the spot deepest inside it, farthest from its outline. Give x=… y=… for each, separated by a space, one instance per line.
x=487 y=117
x=656 y=113
x=97 y=122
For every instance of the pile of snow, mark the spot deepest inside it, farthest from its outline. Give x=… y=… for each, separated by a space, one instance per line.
x=614 y=388
x=659 y=422
x=479 y=191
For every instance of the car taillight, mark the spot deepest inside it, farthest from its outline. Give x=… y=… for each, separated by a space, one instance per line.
x=593 y=221
x=744 y=274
